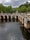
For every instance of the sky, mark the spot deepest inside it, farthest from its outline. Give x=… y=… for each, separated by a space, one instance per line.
x=13 y=3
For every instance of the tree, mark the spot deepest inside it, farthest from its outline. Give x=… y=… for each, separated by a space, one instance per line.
x=22 y=9
x=29 y=9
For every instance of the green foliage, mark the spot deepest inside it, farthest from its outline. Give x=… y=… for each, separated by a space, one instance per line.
x=23 y=8
x=29 y=9
x=4 y=9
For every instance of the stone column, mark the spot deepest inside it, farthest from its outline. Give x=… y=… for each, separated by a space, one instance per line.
x=25 y=23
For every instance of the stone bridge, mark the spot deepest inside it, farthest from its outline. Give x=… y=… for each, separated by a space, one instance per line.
x=21 y=17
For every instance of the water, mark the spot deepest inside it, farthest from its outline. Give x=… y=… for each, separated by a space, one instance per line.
x=12 y=31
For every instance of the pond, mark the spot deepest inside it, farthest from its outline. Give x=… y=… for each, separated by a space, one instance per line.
x=13 y=31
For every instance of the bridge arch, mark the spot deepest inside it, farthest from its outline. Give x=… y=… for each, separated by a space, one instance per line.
x=2 y=18
x=13 y=18
x=5 y=18
x=9 y=19
x=16 y=18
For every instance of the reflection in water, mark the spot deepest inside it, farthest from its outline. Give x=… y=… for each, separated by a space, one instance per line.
x=12 y=31
x=25 y=33
x=13 y=19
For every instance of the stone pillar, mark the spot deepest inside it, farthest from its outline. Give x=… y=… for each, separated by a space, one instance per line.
x=22 y=20
x=28 y=24
x=25 y=23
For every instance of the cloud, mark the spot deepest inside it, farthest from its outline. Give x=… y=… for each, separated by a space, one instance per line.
x=14 y=3
x=1 y=1
x=29 y=1
x=7 y=1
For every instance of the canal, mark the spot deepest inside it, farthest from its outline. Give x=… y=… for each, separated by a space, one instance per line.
x=13 y=31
